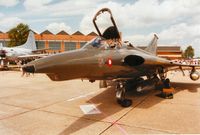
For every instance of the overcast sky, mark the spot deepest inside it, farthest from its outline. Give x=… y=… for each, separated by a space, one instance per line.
x=176 y=22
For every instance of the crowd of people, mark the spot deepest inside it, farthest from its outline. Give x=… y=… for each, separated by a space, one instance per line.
x=188 y=61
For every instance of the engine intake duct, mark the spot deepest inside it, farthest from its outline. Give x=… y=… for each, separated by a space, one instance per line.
x=29 y=69
x=134 y=60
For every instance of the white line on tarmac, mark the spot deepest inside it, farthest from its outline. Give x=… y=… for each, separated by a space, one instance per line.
x=82 y=96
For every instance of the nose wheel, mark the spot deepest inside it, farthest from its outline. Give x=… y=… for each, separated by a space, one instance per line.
x=120 y=95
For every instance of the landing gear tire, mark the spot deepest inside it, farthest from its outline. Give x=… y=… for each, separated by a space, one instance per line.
x=125 y=102
x=120 y=95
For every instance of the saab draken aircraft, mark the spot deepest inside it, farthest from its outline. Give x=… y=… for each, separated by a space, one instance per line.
x=27 y=50
x=106 y=58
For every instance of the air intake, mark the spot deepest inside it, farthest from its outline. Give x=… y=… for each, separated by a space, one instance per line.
x=134 y=60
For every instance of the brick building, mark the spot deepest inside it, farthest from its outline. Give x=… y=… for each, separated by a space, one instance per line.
x=169 y=52
x=59 y=42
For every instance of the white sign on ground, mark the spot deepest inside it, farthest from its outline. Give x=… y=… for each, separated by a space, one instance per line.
x=90 y=109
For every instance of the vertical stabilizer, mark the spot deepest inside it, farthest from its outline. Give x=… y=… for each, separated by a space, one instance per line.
x=152 y=47
x=30 y=42
x=1 y=45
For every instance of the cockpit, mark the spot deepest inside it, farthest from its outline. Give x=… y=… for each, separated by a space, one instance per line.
x=94 y=43
x=97 y=42
x=108 y=38
x=100 y=42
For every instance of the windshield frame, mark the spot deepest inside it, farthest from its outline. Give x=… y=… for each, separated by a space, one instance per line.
x=96 y=42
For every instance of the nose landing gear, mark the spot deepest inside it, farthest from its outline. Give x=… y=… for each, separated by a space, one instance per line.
x=120 y=95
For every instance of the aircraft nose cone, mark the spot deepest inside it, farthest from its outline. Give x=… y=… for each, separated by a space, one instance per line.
x=29 y=69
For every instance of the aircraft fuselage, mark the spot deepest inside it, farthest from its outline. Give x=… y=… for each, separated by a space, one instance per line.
x=15 y=52
x=93 y=64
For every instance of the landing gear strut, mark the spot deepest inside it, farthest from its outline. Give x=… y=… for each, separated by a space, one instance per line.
x=167 y=90
x=162 y=74
x=120 y=95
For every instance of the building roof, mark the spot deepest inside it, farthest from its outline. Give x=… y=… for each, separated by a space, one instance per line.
x=62 y=33
x=46 y=32
x=92 y=34
x=34 y=31
x=78 y=33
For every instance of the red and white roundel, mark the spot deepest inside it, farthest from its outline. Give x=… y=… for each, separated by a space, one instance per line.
x=109 y=62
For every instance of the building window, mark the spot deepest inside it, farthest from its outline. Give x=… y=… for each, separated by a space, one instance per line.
x=40 y=44
x=82 y=44
x=55 y=45
x=70 y=46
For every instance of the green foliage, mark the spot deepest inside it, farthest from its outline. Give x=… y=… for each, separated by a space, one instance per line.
x=189 y=52
x=18 y=35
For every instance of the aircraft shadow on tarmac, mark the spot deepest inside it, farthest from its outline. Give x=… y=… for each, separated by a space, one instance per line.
x=103 y=102
x=106 y=103
x=191 y=87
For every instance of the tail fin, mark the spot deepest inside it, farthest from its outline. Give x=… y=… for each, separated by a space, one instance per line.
x=152 y=47
x=30 y=42
x=1 y=45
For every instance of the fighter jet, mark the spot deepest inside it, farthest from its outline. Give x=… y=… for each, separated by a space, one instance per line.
x=106 y=58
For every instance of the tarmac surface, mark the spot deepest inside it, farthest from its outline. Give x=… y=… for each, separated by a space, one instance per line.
x=35 y=105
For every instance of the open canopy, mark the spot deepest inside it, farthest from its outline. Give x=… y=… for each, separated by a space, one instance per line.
x=112 y=31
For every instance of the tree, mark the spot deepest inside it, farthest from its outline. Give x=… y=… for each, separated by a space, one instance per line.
x=189 y=52
x=18 y=35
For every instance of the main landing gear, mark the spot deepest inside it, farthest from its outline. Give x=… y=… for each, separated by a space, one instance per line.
x=167 y=91
x=120 y=94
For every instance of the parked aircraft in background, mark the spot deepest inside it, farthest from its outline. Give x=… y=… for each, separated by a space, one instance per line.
x=107 y=58
x=26 y=51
